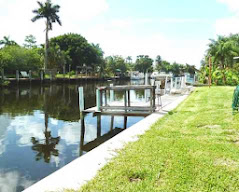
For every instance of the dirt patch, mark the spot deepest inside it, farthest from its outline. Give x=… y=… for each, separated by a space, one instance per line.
x=212 y=126
x=226 y=163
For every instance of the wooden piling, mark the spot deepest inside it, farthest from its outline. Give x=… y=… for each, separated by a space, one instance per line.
x=81 y=99
x=17 y=75
x=98 y=126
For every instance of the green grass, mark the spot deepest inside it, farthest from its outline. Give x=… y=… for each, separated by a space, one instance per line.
x=194 y=148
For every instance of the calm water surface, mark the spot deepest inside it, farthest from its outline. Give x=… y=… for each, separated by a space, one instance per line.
x=40 y=130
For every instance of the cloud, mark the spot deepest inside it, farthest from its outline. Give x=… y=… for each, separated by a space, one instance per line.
x=71 y=133
x=10 y=181
x=125 y=42
x=16 y=17
x=33 y=129
x=226 y=26
x=233 y=5
x=182 y=20
x=5 y=122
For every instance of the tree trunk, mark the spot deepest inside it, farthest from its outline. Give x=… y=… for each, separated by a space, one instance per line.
x=223 y=72
x=46 y=46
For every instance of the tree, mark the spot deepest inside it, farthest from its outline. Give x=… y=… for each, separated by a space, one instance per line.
x=30 y=42
x=49 y=12
x=144 y=63
x=222 y=52
x=79 y=51
x=7 y=42
x=116 y=64
x=18 y=58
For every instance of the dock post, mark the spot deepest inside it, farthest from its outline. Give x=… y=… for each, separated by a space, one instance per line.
x=125 y=122
x=81 y=99
x=129 y=98
x=2 y=73
x=105 y=97
x=42 y=76
x=98 y=126
x=146 y=78
x=111 y=93
x=153 y=92
x=112 y=123
x=125 y=100
x=30 y=75
x=51 y=76
x=82 y=133
x=98 y=99
x=17 y=75
x=165 y=85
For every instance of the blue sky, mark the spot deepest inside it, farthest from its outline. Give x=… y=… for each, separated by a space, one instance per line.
x=176 y=30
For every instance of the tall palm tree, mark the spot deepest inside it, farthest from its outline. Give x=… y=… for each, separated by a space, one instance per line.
x=49 y=12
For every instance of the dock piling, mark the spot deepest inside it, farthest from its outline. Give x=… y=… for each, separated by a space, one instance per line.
x=81 y=99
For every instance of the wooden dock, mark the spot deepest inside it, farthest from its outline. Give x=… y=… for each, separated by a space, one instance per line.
x=127 y=108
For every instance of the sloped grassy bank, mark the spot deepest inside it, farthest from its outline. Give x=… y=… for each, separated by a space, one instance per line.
x=193 y=148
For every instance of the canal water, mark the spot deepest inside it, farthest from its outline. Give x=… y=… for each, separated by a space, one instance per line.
x=40 y=129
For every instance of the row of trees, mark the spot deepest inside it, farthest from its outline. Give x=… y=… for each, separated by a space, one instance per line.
x=71 y=52
x=220 y=55
x=176 y=69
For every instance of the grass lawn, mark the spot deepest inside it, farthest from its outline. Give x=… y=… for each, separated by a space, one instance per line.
x=194 y=148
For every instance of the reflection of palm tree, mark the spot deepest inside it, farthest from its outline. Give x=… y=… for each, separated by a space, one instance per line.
x=46 y=148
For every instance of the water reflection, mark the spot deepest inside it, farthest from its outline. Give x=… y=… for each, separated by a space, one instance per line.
x=47 y=147
x=41 y=130
x=12 y=181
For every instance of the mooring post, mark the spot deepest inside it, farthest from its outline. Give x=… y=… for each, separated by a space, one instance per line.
x=111 y=93
x=165 y=85
x=128 y=98
x=125 y=122
x=146 y=78
x=30 y=75
x=17 y=75
x=125 y=100
x=98 y=126
x=112 y=123
x=153 y=91
x=82 y=133
x=51 y=76
x=105 y=97
x=42 y=76
x=98 y=99
x=2 y=73
x=81 y=99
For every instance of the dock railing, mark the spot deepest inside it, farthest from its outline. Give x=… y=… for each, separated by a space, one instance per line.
x=103 y=103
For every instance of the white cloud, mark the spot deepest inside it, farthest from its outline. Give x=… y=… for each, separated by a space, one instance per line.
x=226 y=26
x=232 y=4
x=124 y=42
x=33 y=129
x=229 y=25
x=70 y=133
x=15 y=17
x=9 y=181
x=182 y=20
x=5 y=122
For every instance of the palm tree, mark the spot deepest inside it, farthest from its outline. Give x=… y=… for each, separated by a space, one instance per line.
x=49 y=12
x=222 y=51
x=7 y=42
